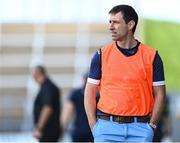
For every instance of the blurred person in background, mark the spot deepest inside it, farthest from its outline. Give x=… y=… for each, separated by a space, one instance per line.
x=74 y=107
x=130 y=78
x=47 y=107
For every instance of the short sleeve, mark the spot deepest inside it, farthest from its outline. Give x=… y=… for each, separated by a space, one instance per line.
x=95 y=69
x=47 y=97
x=158 y=71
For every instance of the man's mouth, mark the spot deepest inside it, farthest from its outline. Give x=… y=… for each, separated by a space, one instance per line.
x=113 y=34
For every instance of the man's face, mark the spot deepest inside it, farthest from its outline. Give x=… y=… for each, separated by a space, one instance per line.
x=118 y=27
x=36 y=76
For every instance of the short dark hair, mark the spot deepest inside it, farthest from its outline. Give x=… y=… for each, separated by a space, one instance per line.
x=128 y=14
x=41 y=69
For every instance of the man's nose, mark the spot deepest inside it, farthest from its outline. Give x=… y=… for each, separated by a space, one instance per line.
x=111 y=26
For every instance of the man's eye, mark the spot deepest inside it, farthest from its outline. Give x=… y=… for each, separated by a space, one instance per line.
x=110 y=21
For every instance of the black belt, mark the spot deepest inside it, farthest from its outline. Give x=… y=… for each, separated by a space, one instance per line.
x=124 y=119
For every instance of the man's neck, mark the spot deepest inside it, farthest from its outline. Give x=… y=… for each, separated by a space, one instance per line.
x=127 y=43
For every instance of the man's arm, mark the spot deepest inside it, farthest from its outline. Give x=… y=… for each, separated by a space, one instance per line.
x=44 y=116
x=67 y=113
x=90 y=103
x=159 y=93
x=159 y=90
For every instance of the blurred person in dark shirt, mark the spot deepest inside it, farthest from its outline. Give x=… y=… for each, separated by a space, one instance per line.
x=74 y=107
x=46 y=108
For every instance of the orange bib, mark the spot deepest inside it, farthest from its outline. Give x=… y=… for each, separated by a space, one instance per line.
x=126 y=82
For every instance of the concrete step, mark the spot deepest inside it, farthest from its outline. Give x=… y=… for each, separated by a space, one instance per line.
x=55 y=50
x=21 y=81
x=50 y=60
x=14 y=92
x=61 y=28
x=26 y=70
x=14 y=50
x=17 y=28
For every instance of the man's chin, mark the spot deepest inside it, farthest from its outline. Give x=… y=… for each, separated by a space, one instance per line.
x=114 y=39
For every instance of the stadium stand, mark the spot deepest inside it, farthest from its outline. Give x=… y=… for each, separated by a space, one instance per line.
x=65 y=49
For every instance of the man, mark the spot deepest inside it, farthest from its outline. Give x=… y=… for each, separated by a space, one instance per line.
x=75 y=107
x=130 y=78
x=46 y=108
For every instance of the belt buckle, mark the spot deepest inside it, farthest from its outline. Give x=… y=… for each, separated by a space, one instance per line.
x=116 y=119
x=120 y=119
x=127 y=119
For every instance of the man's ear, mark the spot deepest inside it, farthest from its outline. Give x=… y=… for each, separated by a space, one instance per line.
x=131 y=24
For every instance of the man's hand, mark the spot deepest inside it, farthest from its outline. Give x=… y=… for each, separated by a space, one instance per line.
x=37 y=133
x=44 y=116
x=92 y=124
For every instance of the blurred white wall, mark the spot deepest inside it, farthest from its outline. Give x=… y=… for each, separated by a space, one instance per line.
x=82 y=10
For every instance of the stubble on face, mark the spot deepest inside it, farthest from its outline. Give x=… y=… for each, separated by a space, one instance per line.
x=117 y=27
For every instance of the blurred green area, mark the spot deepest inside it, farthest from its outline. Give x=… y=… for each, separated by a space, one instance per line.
x=165 y=37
